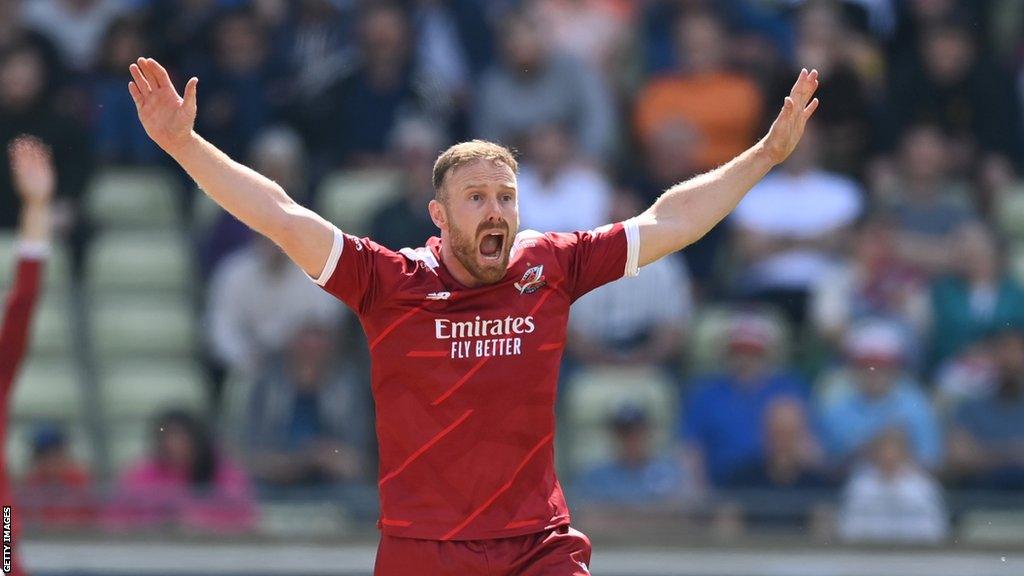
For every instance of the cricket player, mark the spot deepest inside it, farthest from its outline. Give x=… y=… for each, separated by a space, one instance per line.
x=466 y=333
x=34 y=181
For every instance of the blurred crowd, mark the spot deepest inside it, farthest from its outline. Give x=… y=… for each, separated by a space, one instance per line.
x=855 y=328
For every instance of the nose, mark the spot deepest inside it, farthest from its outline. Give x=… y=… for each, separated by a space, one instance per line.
x=494 y=213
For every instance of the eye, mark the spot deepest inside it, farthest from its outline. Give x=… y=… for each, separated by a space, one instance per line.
x=474 y=197
x=506 y=198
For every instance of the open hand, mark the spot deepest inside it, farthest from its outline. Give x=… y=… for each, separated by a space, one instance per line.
x=167 y=117
x=788 y=127
x=32 y=169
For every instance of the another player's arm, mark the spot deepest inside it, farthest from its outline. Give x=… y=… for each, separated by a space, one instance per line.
x=689 y=210
x=34 y=179
x=257 y=201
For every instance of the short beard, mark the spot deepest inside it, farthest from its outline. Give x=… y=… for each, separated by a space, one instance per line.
x=466 y=251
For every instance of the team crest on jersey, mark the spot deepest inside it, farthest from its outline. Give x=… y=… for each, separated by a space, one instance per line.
x=532 y=280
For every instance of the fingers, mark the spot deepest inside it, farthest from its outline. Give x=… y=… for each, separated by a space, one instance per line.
x=159 y=73
x=809 y=110
x=190 y=94
x=136 y=95
x=28 y=148
x=140 y=80
x=804 y=87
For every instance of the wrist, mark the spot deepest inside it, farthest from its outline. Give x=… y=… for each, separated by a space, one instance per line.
x=763 y=156
x=181 y=145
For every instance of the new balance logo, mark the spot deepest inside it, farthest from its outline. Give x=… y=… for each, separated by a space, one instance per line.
x=439 y=295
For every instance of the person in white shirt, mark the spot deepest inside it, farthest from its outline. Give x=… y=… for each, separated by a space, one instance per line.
x=556 y=192
x=890 y=498
x=257 y=299
x=790 y=227
x=638 y=320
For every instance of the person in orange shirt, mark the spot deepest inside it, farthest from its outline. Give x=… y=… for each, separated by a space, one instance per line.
x=722 y=109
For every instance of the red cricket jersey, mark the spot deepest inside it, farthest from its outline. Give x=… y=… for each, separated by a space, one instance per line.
x=14 y=337
x=464 y=378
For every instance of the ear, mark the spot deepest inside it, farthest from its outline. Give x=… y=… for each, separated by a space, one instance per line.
x=438 y=215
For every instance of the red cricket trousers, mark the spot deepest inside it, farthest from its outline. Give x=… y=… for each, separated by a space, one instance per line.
x=563 y=551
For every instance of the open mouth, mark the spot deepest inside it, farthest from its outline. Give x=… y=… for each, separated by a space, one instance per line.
x=491 y=245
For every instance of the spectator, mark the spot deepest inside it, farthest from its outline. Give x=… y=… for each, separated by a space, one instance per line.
x=242 y=92
x=56 y=488
x=792 y=458
x=790 y=228
x=723 y=425
x=874 y=283
x=721 y=108
x=825 y=43
x=637 y=476
x=533 y=86
x=185 y=482
x=278 y=153
x=309 y=418
x=14 y=32
x=986 y=445
x=182 y=28
x=890 y=498
x=979 y=298
x=319 y=46
x=970 y=374
x=405 y=221
x=668 y=159
x=927 y=202
x=455 y=44
x=76 y=27
x=257 y=299
x=557 y=192
x=351 y=123
x=119 y=137
x=27 y=107
x=593 y=31
x=633 y=321
x=957 y=88
x=873 y=393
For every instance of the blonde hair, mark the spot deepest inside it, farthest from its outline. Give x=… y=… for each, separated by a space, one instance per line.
x=466 y=152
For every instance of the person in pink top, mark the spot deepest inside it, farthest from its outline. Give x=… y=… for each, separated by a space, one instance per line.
x=185 y=483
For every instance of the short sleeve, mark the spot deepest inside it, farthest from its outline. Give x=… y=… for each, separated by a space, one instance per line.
x=599 y=256
x=354 y=269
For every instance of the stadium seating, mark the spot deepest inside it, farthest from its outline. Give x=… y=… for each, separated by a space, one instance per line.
x=595 y=393
x=349 y=198
x=52 y=329
x=133 y=198
x=141 y=388
x=47 y=388
x=139 y=261
x=135 y=325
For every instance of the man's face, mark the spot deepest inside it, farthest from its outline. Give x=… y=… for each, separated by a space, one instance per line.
x=479 y=217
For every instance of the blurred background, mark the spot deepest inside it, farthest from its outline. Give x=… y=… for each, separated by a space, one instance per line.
x=831 y=381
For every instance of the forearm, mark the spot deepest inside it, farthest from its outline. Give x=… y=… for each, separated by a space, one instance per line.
x=34 y=228
x=689 y=210
x=252 y=198
x=258 y=202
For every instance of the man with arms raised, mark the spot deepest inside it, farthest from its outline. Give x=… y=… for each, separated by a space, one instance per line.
x=466 y=333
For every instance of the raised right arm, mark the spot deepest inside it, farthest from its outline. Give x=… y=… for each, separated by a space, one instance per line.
x=257 y=201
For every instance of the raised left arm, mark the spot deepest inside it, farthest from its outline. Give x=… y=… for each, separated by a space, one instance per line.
x=34 y=180
x=690 y=209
